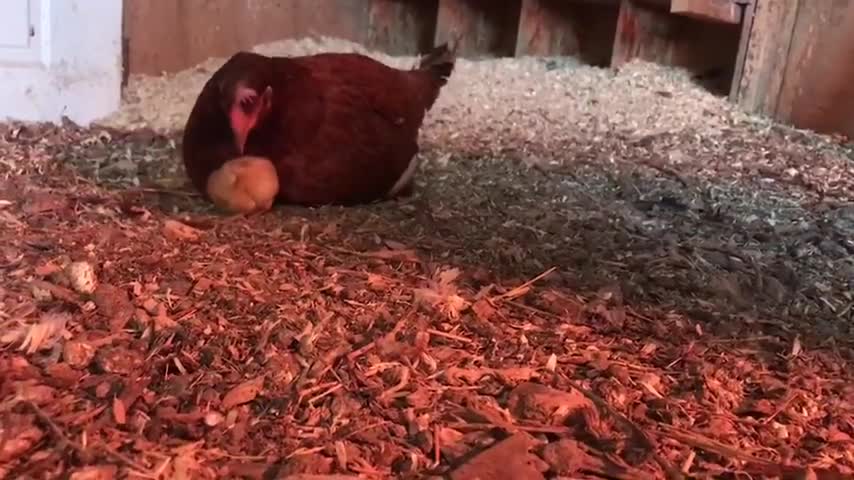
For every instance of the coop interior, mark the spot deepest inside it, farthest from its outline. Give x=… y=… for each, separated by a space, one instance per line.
x=628 y=255
x=700 y=36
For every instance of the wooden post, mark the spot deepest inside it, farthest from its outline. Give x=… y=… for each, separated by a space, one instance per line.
x=743 y=43
x=767 y=55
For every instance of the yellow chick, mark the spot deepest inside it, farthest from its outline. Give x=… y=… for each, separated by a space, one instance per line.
x=244 y=185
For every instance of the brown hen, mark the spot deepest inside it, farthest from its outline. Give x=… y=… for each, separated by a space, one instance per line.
x=340 y=128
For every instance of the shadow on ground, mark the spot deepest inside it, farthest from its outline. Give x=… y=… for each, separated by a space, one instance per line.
x=773 y=254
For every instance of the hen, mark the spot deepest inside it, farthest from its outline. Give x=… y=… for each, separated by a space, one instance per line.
x=340 y=128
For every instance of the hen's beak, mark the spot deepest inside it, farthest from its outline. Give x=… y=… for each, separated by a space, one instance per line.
x=241 y=125
x=240 y=135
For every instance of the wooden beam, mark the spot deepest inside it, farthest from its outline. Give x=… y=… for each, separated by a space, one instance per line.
x=767 y=55
x=487 y=28
x=721 y=11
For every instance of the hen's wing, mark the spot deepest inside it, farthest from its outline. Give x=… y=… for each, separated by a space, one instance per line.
x=346 y=131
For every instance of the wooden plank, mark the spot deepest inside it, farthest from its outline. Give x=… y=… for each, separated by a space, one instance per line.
x=817 y=57
x=168 y=35
x=154 y=35
x=816 y=85
x=767 y=55
x=547 y=28
x=402 y=27
x=486 y=28
x=722 y=11
x=642 y=33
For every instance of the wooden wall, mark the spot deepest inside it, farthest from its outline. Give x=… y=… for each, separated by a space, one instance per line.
x=789 y=59
x=818 y=86
x=704 y=41
x=799 y=64
x=169 y=35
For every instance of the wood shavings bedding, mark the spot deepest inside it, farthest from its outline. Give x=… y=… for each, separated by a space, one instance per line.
x=489 y=105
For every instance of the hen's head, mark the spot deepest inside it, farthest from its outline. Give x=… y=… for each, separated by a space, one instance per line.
x=245 y=94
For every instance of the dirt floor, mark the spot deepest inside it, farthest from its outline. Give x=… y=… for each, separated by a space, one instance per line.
x=673 y=304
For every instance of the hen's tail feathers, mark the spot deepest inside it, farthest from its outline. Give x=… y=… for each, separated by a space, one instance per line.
x=439 y=63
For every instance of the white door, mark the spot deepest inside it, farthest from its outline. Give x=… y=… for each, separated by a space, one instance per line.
x=60 y=58
x=17 y=31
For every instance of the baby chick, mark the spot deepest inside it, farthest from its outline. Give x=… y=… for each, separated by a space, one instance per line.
x=244 y=185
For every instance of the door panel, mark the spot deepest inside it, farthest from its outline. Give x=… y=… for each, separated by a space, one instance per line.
x=18 y=21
